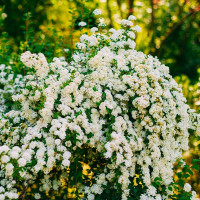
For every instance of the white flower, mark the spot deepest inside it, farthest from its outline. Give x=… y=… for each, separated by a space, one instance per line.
x=101 y=22
x=2 y=196
x=9 y=169
x=38 y=62
x=90 y=197
x=27 y=156
x=66 y=50
x=112 y=30
x=194 y=195
x=5 y=159
x=82 y=24
x=62 y=58
x=144 y=197
x=97 y=12
x=136 y=28
x=151 y=191
x=131 y=34
x=66 y=163
x=37 y=196
x=67 y=155
x=158 y=197
x=4 y=148
x=3 y=15
x=125 y=22
x=81 y=46
x=21 y=162
x=131 y=17
x=57 y=141
x=94 y=29
x=187 y=187
x=2 y=189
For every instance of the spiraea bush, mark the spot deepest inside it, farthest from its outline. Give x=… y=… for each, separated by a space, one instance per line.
x=112 y=108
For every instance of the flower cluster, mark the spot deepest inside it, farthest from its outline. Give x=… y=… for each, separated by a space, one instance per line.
x=9 y=84
x=110 y=98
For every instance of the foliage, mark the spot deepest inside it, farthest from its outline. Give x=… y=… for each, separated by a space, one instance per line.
x=110 y=101
x=191 y=92
x=171 y=28
x=16 y=11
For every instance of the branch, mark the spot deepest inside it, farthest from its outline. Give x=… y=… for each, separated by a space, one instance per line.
x=151 y=28
x=120 y=9
x=23 y=193
x=172 y=30
x=181 y=8
x=109 y=13
x=131 y=6
x=177 y=25
x=184 y=39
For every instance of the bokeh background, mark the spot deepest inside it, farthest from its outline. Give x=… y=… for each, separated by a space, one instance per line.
x=170 y=31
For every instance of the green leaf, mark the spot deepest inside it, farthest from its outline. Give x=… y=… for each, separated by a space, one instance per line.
x=95 y=89
x=195 y=160
x=195 y=166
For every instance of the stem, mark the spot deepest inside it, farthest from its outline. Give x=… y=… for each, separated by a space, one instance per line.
x=184 y=39
x=71 y=35
x=23 y=194
x=120 y=9
x=131 y=5
x=109 y=13
x=152 y=41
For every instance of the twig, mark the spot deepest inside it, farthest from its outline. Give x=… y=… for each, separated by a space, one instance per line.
x=169 y=33
x=23 y=193
x=109 y=13
x=152 y=42
x=131 y=6
x=120 y=9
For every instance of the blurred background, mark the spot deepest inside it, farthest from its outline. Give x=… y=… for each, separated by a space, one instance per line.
x=170 y=31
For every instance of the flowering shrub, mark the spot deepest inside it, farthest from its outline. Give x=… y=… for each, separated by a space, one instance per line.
x=112 y=108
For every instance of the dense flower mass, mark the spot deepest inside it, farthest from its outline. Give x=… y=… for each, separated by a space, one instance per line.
x=110 y=99
x=9 y=84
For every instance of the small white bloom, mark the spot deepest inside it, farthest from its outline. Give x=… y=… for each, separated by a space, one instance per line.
x=94 y=29
x=81 y=46
x=101 y=22
x=151 y=191
x=125 y=22
x=112 y=30
x=131 y=34
x=2 y=196
x=3 y=15
x=37 y=196
x=67 y=155
x=57 y=141
x=82 y=24
x=21 y=162
x=66 y=163
x=136 y=28
x=131 y=17
x=187 y=187
x=62 y=58
x=90 y=196
x=66 y=50
x=2 y=189
x=9 y=169
x=97 y=12
x=5 y=159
